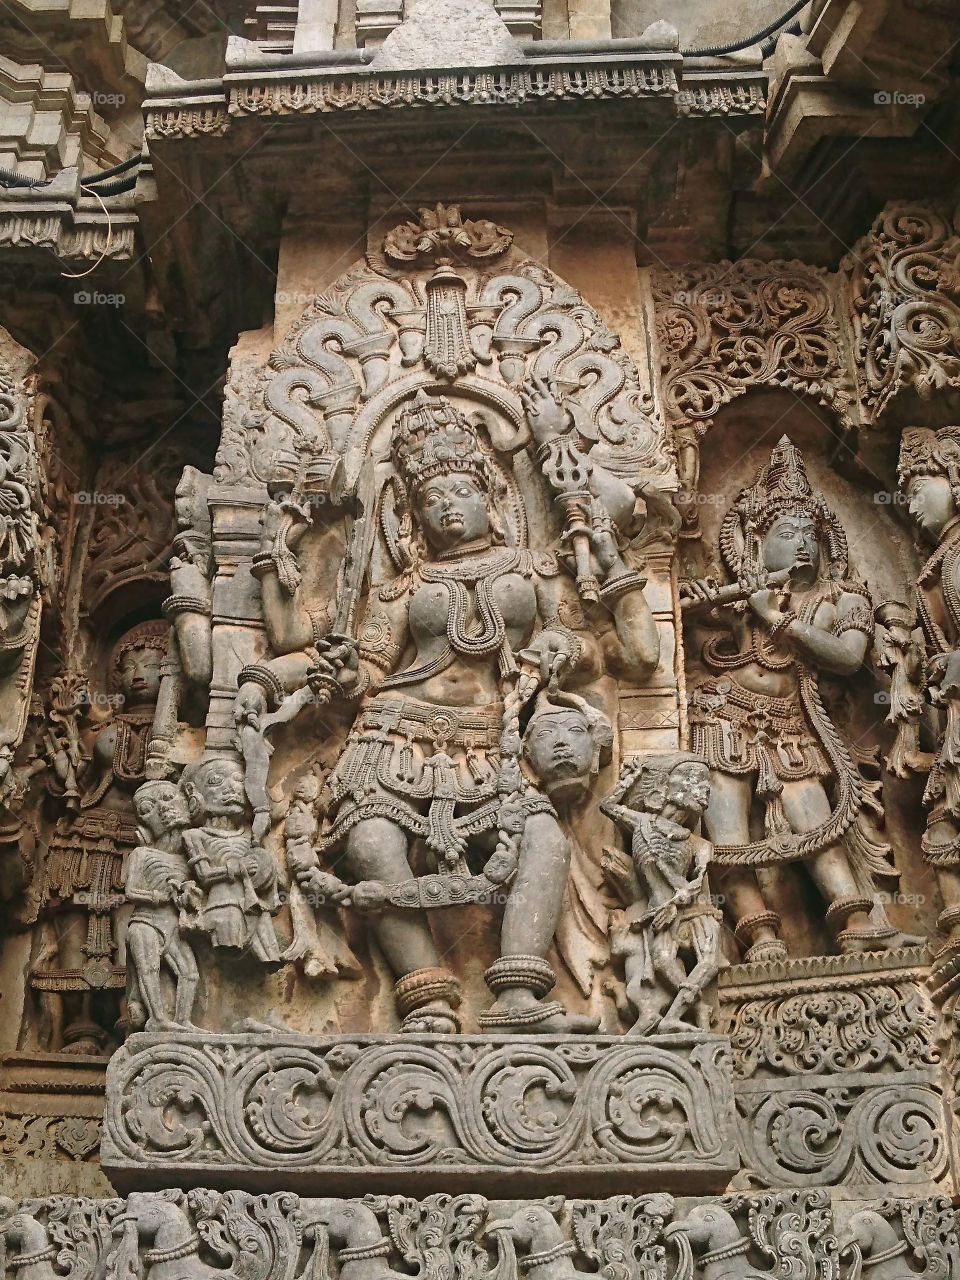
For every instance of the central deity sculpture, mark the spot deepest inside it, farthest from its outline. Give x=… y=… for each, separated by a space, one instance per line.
x=455 y=653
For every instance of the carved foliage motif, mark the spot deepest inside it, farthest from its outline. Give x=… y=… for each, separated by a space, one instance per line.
x=787 y=1234
x=423 y=1104
x=875 y=1028
x=862 y=1136
x=903 y=290
x=20 y=508
x=328 y=381
x=724 y=327
x=838 y=1082
x=133 y=525
x=23 y=1137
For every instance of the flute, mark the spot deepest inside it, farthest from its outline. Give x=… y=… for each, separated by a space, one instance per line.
x=733 y=592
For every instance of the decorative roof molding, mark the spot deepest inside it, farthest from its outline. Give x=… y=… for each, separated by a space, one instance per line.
x=264 y=85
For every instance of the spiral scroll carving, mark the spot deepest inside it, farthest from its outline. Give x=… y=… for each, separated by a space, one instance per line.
x=418 y=1103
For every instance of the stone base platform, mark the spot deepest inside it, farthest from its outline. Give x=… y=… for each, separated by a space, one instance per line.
x=342 y=1115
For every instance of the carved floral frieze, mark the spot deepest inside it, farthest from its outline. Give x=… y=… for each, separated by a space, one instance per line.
x=319 y=1114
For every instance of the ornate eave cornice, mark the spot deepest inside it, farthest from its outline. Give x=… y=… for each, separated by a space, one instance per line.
x=58 y=219
x=269 y=87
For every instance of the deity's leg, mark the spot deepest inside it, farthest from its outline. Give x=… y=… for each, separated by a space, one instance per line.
x=727 y=821
x=807 y=806
x=522 y=975
x=426 y=992
x=82 y=1034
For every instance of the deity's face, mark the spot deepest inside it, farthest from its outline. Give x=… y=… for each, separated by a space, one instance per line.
x=220 y=785
x=139 y=675
x=452 y=509
x=161 y=807
x=688 y=787
x=931 y=505
x=791 y=542
x=559 y=747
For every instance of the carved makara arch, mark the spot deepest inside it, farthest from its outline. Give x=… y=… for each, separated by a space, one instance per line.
x=448 y=304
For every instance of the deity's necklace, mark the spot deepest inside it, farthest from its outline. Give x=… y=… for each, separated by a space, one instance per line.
x=482 y=570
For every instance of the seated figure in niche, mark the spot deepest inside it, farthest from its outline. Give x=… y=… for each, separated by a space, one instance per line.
x=759 y=721
x=452 y=651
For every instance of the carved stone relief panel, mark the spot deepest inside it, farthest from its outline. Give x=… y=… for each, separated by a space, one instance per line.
x=837 y=1072
x=358 y=1112
x=438 y=607
x=462 y=1236
x=779 y=624
x=20 y=550
x=98 y=715
x=901 y=294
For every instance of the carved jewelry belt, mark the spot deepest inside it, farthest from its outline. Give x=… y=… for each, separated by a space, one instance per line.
x=741 y=732
x=383 y=776
x=443 y=727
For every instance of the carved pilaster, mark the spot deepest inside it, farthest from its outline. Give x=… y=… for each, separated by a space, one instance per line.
x=837 y=1073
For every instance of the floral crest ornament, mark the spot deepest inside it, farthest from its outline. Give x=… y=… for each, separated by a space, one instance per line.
x=442 y=233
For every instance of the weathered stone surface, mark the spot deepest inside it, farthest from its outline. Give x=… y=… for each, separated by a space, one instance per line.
x=837 y=1073
x=269 y=1110
x=585 y=837
x=448 y=33
x=277 y=1237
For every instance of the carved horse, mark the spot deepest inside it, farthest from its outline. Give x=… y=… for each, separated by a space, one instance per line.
x=173 y=1253
x=34 y=1261
x=355 y=1233
x=876 y=1246
x=534 y=1230
x=721 y=1246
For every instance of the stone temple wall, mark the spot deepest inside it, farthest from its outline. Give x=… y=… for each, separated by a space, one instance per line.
x=479 y=761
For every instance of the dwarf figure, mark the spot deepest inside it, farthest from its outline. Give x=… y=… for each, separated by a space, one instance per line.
x=318 y=943
x=158 y=885
x=238 y=879
x=669 y=920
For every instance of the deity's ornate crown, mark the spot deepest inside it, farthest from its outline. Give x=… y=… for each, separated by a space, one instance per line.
x=433 y=438
x=924 y=452
x=780 y=488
